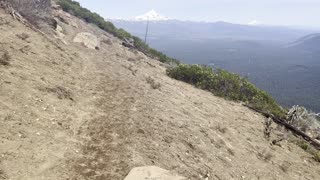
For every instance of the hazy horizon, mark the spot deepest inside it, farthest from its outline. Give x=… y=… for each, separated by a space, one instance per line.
x=301 y=13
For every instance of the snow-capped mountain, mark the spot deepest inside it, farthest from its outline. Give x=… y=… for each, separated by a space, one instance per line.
x=149 y=16
x=164 y=27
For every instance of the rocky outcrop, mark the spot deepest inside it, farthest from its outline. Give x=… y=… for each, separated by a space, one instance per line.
x=87 y=39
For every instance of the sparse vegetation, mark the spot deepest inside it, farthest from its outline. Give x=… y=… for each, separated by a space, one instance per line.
x=5 y=59
x=231 y=151
x=222 y=129
x=153 y=83
x=317 y=156
x=267 y=128
x=227 y=85
x=264 y=155
x=23 y=36
x=60 y=92
x=285 y=166
x=75 y=9
x=308 y=148
x=304 y=145
x=4 y=21
x=33 y=11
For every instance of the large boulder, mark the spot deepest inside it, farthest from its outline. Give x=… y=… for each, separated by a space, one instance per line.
x=87 y=39
x=151 y=173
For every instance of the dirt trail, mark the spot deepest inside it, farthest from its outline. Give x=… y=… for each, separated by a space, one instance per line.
x=80 y=114
x=106 y=152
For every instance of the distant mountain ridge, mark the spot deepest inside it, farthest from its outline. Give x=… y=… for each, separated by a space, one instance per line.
x=162 y=27
x=309 y=43
x=265 y=54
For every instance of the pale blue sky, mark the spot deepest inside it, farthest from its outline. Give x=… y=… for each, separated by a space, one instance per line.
x=268 y=12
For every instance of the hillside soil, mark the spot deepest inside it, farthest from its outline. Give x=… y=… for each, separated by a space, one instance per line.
x=69 y=112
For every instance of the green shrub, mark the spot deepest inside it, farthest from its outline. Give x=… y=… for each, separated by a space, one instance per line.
x=317 y=156
x=304 y=145
x=227 y=85
x=75 y=9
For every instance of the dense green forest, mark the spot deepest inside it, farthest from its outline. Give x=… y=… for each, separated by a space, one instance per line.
x=290 y=76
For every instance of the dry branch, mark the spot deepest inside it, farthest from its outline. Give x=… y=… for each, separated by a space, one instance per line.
x=293 y=129
x=17 y=16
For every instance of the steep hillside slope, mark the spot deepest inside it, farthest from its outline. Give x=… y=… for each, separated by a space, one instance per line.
x=308 y=43
x=70 y=112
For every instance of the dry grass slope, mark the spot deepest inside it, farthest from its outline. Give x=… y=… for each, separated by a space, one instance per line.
x=116 y=121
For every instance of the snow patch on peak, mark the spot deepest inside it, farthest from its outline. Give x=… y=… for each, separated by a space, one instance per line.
x=151 y=16
x=254 y=23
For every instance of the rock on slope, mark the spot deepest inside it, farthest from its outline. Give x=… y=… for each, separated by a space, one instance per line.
x=69 y=112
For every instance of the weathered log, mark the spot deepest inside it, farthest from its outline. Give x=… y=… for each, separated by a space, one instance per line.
x=293 y=129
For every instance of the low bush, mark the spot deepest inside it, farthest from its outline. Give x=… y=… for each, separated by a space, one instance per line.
x=227 y=85
x=317 y=156
x=75 y=9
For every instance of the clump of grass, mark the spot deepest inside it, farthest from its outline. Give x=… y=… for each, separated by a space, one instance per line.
x=317 y=156
x=265 y=155
x=5 y=59
x=304 y=145
x=231 y=151
x=228 y=85
x=309 y=149
x=153 y=83
x=285 y=166
x=60 y=92
x=23 y=36
x=222 y=129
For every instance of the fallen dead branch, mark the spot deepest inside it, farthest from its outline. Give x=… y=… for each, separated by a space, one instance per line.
x=293 y=129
